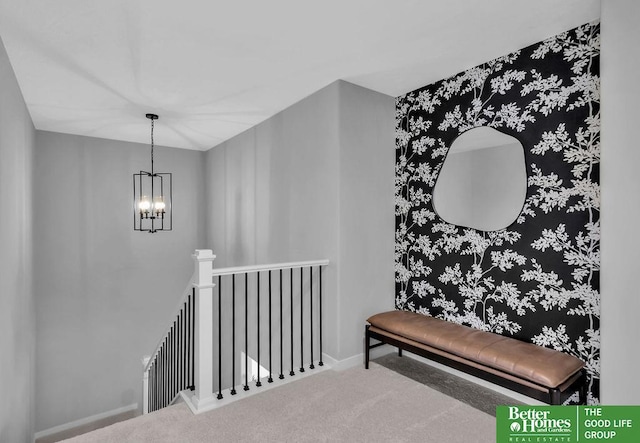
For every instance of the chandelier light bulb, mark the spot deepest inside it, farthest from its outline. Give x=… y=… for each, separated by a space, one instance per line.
x=158 y=204
x=144 y=204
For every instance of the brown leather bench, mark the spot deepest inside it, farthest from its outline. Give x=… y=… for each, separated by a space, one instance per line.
x=545 y=374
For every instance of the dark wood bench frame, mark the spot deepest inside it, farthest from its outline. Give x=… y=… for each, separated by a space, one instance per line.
x=552 y=396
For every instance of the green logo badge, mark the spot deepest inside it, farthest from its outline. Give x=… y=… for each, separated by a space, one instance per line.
x=546 y=424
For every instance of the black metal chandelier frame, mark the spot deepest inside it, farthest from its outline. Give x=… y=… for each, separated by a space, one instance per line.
x=152 y=196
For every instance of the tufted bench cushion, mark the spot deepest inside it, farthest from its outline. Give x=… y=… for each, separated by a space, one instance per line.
x=522 y=366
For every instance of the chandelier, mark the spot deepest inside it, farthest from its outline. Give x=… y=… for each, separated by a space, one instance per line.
x=152 y=196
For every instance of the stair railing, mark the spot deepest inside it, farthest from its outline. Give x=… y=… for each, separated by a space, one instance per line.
x=171 y=367
x=269 y=315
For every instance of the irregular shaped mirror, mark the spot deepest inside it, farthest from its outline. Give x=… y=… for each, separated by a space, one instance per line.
x=483 y=181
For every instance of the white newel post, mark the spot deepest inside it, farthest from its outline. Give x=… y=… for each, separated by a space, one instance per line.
x=203 y=285
x=145 y=385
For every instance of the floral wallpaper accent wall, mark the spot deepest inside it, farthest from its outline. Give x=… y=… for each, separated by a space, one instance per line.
x=538 y=279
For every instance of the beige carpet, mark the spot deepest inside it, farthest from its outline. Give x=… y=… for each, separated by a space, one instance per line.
x=355 y=405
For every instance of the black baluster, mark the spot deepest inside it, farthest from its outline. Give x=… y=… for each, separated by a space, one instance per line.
x=183 y=382
x=311 y=313
x=176 y=359
x=179 y=358
x=161 y=399
x=167 y=357
x=158 y=381
x=187 y=331
x=155 y=382
x=156 y=401
x=173 y=361
x=258 y=383
x=158 y=375
x=233 y=334
x=291 y=317
x=281 y=376
x=301 y=324
x=149 y=387
x=270 y=379
x=193 y=339
x=246 y=332
x=170 y=365
x=320 y=363
x=184 y=345
x=169 y=362
x=219 y=337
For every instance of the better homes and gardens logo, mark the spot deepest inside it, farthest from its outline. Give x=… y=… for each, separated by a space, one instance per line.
x=538 y=425
x=546 y=424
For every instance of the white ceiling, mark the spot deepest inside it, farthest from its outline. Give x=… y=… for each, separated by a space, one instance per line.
x=212 y=69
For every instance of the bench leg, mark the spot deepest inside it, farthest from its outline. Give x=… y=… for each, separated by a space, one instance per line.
x=554 y=395
x=366 y=346
x=583 y=388
x=399 y=352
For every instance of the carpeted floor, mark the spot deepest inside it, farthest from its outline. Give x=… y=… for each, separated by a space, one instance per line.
x=467 y=392
x=356 y=405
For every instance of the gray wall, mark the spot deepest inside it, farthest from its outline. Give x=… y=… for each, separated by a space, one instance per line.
x=104 y=293
x=314 y=181
x=620 y=327
x=366 y=208
x=17 y=318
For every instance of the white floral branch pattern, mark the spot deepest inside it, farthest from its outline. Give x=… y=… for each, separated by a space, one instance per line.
x=538 y=279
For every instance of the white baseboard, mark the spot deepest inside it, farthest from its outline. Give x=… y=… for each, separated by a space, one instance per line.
x=358 y=359
x=85 y=421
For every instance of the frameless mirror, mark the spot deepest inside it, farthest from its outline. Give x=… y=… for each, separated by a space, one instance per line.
x=483 y=181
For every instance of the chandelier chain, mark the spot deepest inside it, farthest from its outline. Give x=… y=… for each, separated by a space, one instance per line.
x=152 y=124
